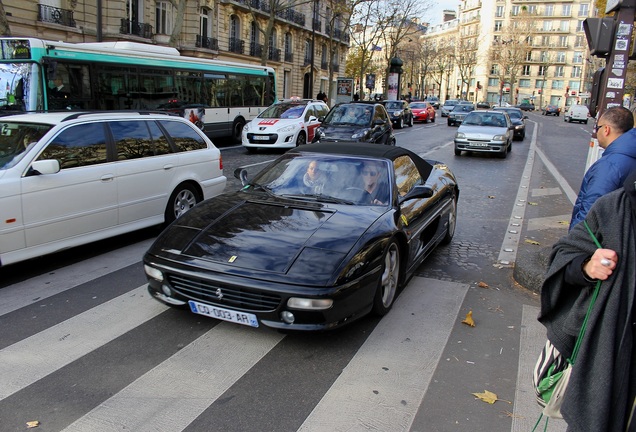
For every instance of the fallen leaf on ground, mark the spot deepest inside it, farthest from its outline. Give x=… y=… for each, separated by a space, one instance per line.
x=533 y=203
x=489 y=397
x=469 y=319
x=482 y=285
x=564 y=222
x=33 y=424
x=491 y=196
x=532 y=242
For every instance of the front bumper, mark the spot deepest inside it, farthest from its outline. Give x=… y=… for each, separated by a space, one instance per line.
x=481 y=146
x=266 y=300
x=272 y=140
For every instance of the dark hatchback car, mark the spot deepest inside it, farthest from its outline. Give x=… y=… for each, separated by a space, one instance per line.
x=288 y=254
x=457 y=115
x=551 y=110
x=526 y=106
x=518 y=120
x=357 y=121
x=400 y=113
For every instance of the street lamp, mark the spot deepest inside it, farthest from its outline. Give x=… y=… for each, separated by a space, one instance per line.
x=313 y=51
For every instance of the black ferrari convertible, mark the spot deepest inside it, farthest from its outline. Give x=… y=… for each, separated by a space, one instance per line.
x=326 y=234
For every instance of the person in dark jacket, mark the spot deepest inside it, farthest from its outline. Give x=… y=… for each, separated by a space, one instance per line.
x=601 y=392
x=615 y=134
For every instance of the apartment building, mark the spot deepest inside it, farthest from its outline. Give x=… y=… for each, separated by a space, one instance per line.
x=214 y=29
x=556 y=67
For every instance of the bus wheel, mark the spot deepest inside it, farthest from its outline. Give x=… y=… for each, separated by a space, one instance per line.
x=237 y=130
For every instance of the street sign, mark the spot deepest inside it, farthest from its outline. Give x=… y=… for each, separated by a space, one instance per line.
x=585 y=95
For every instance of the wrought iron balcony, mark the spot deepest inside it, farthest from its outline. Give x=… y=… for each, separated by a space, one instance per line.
x=324 y=65
x=307 y=60
x=236 y=46
x=274 y=54
x=317 y=25
x=135 y=28
x=206 y=42
x=289 y=56
x=256 y=50
x=55 y=15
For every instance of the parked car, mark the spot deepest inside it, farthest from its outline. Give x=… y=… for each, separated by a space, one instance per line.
x=285 y=124
x=68 y=179
x=448 y=106
x=485 y=131
x=551 y=110
x=526 y=106
x=434 y=100
x=578 y=113
x=357 y=121
x=518 y=120
x=279 y=253
x=483 y=105
x=456 y=116
x=400 y=113
x=423 y=112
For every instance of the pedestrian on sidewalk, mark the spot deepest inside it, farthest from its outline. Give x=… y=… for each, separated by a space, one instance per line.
x=616 y=134
x=600 y=395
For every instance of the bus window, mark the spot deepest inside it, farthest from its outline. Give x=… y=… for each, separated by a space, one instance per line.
x=70 y=87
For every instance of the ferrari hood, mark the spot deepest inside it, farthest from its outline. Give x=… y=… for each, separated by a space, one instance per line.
x=267 y=235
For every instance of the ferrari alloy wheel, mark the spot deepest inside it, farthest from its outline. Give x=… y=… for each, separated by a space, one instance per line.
x=389 y=281
x=452 y=222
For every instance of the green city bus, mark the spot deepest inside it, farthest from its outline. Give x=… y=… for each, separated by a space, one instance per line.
x=219 y=96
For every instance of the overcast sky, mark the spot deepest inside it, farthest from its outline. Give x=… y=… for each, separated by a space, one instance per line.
x=434 y=13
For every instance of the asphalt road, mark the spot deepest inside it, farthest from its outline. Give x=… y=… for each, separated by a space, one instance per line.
x=84 y=348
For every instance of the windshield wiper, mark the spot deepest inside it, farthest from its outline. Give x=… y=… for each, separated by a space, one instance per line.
x=319 y=197
x=258 y=186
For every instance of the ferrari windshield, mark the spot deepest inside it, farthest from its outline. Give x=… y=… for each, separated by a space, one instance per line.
x=326 y=178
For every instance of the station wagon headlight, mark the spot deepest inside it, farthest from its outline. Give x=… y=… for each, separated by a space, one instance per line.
x=153 y=273
x=288 y=128
x=460 y=135
x=499 y=138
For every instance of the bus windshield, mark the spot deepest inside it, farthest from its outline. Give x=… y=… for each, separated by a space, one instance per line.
x=16 y=84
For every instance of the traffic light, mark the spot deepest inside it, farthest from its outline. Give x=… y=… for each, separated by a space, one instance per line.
x=597 y=84
x=599 y=33
x=539 y=91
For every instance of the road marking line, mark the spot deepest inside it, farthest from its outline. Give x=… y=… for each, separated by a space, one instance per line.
x=549 y=222
x=174 y=393
x=382 y=387
x=546 y=192
x=569 y=192
x=31 y=359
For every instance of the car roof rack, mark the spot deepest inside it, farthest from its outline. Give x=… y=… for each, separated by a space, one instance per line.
x=79 y=114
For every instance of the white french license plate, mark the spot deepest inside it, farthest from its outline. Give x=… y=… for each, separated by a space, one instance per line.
x=260 y=137
x=244 y=318
x=478 y=144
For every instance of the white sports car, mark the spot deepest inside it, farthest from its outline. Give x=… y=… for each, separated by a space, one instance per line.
x=286 y=124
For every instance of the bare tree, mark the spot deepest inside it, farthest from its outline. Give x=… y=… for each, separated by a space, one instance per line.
x=546 y=59
x=442 y=62
x=465 y=59
x=178 y=26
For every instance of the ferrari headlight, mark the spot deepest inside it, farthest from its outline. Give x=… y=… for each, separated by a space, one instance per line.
x=153 y=273
x=288 y=128
x=309 y=304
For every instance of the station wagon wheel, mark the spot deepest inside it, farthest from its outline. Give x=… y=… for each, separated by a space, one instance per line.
x=182 y=199
x=301 y=139
x=389 y=280
x=452 y=221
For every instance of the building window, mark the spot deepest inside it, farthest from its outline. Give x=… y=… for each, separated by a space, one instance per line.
x=499 y=11
x=576 y=71
x=288 y=46
x=557 y=85
x=205 y=21
x=549 y=10
x=563 y=41
x=559 y=71
x=564 y=26
x=542 y=70
x=494 y=69
x=525 y=83
x=560 y=57
x=539 y=84
x=577 y=57
x=532 y=9
x=525 y=71
x=574 y=85
x=514 y=12
x=584 y=10
x=498 y=25
x=545 y=41
x=163 y=17
x=566 y=11
x=543 y=58
x=493 y=82
x=307 y=52
x=547 y=26
x=578 y=42
x=579 y=26
x=529 y=56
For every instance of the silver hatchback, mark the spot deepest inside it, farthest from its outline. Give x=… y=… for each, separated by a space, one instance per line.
x=485 y=131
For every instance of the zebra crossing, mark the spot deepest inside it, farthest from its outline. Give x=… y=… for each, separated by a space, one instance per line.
x=85 y=349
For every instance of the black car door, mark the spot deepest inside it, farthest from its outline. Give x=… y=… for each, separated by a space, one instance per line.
x=382 y=127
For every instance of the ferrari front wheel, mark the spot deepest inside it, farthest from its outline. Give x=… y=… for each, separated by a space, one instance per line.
x=389 y=281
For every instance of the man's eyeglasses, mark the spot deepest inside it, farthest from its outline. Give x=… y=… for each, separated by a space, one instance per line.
x=369 y=173
x=598 y=128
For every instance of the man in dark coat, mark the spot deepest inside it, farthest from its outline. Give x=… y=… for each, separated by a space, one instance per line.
x=601 y=390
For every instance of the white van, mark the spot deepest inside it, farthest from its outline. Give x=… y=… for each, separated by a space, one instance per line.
x=68 y=179
x=578 y=113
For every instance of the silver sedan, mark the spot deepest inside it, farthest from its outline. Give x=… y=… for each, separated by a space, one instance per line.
x=485 y=131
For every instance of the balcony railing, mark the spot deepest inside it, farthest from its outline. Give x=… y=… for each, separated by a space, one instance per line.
x=236 y=46
x=289 y=56
x=135 y=28
x=55 y=15
x=324 y=65
x=307 y=60
x=317 y=25
x=287 y=14
x=274 y=54
x=256 y=49
x=206 y=42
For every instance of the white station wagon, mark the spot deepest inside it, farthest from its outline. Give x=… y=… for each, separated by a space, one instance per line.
x=68 y=179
